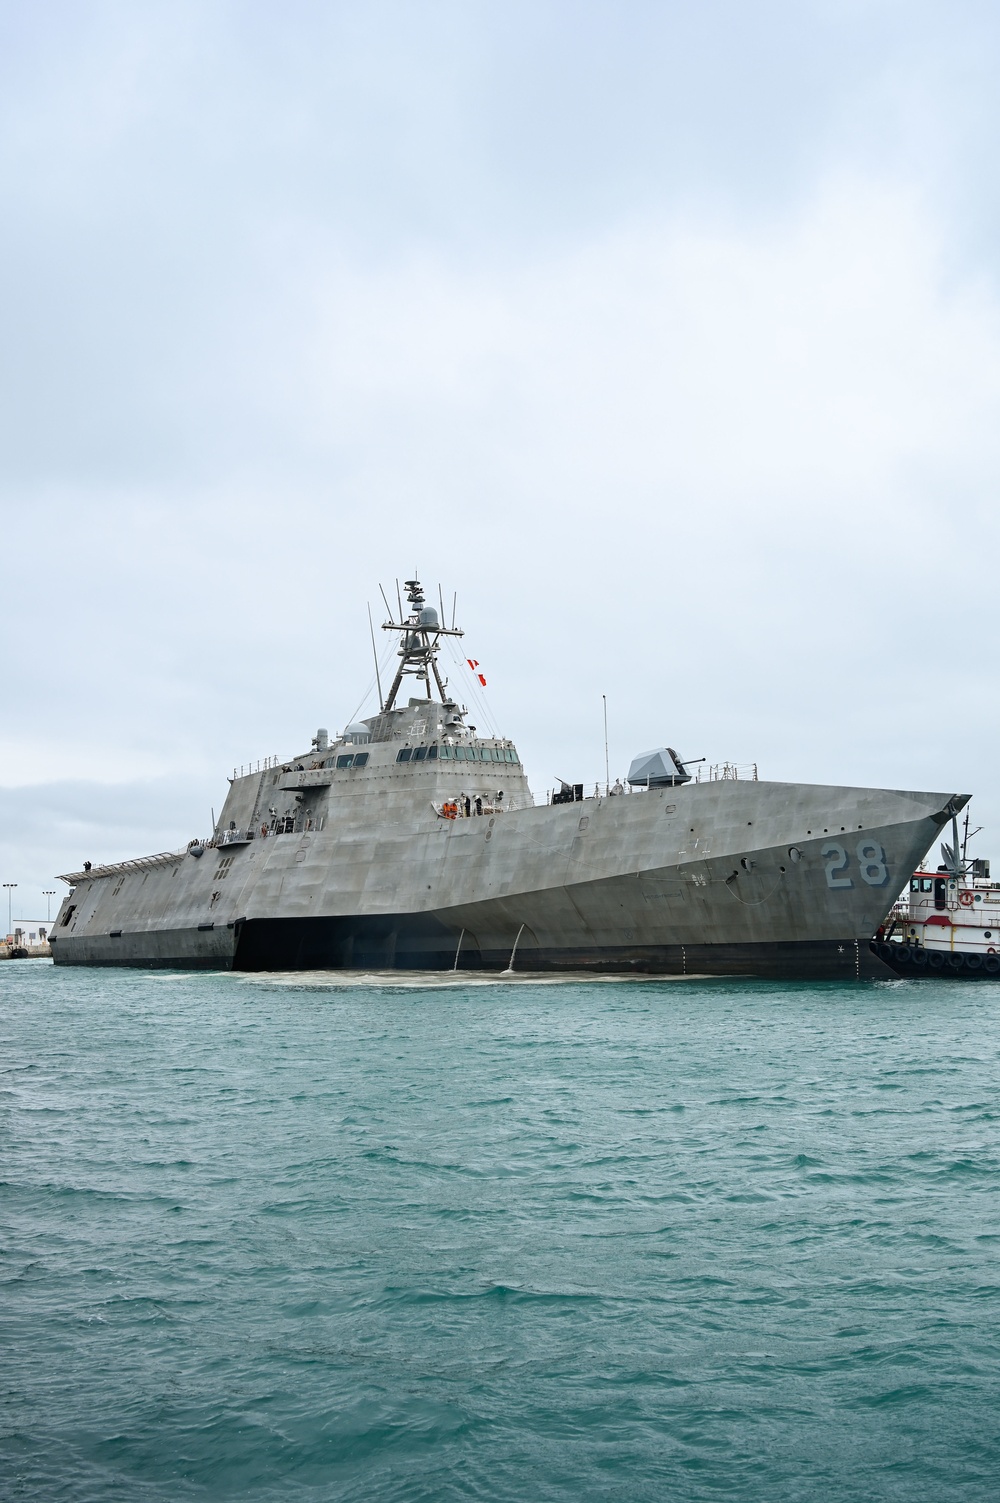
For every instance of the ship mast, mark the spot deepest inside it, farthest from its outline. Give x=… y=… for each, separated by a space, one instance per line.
x=421 y=634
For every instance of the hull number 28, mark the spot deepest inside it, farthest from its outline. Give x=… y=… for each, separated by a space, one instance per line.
x=871 y=860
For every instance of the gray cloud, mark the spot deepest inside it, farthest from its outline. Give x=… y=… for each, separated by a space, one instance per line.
x=668 y=336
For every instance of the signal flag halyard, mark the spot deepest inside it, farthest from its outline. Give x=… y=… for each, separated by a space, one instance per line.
x=474 y=665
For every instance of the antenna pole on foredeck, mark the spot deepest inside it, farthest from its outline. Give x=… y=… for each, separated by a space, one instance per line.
x=607 y=764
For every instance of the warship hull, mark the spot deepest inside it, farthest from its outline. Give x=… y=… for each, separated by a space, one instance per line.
x=720 y=878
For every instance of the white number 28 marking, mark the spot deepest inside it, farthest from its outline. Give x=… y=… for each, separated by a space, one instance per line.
x=836 y=861
x=871 y=859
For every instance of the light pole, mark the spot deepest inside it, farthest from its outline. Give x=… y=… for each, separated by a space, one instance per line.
x=9 y=886
x=48 y=895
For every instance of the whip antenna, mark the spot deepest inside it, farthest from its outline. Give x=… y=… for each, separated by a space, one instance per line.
x=378 y=681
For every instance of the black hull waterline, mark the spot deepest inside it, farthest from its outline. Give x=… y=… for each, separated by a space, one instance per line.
x=415 y=942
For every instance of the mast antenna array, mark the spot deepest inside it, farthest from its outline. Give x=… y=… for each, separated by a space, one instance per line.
x=421 y=632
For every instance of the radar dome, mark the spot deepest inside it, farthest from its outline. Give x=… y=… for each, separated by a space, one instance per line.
x=357 y=731
x=428 y=616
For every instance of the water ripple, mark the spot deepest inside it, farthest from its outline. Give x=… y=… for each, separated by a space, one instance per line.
x=409 y=1239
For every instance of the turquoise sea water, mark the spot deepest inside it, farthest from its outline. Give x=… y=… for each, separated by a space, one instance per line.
x=331 y=1237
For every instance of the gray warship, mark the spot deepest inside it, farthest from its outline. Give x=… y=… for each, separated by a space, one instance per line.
x=412 y=842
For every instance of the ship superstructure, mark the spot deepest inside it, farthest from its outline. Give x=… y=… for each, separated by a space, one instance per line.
x=410 y=841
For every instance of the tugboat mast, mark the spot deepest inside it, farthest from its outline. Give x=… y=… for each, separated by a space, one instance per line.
x=421 y=634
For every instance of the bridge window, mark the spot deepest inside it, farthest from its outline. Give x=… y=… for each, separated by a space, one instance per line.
x=405 y=754
x=419 y=753
x=346 y=760
x=360 y=759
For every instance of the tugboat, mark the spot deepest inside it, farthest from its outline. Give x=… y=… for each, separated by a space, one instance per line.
x=410 y=841
x=948 y=924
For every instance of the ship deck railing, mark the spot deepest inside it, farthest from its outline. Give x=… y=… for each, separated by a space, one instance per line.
x=112 y=868
x=727 y=772
x=719 y=772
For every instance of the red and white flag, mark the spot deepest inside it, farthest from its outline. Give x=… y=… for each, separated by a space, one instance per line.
x=474 y=665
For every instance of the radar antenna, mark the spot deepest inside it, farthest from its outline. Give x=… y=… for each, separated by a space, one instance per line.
x=421 y=634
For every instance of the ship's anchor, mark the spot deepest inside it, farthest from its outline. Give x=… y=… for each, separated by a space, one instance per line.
x=731 y=883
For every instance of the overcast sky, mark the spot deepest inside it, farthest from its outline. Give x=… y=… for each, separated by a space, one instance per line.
x=668 y=335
